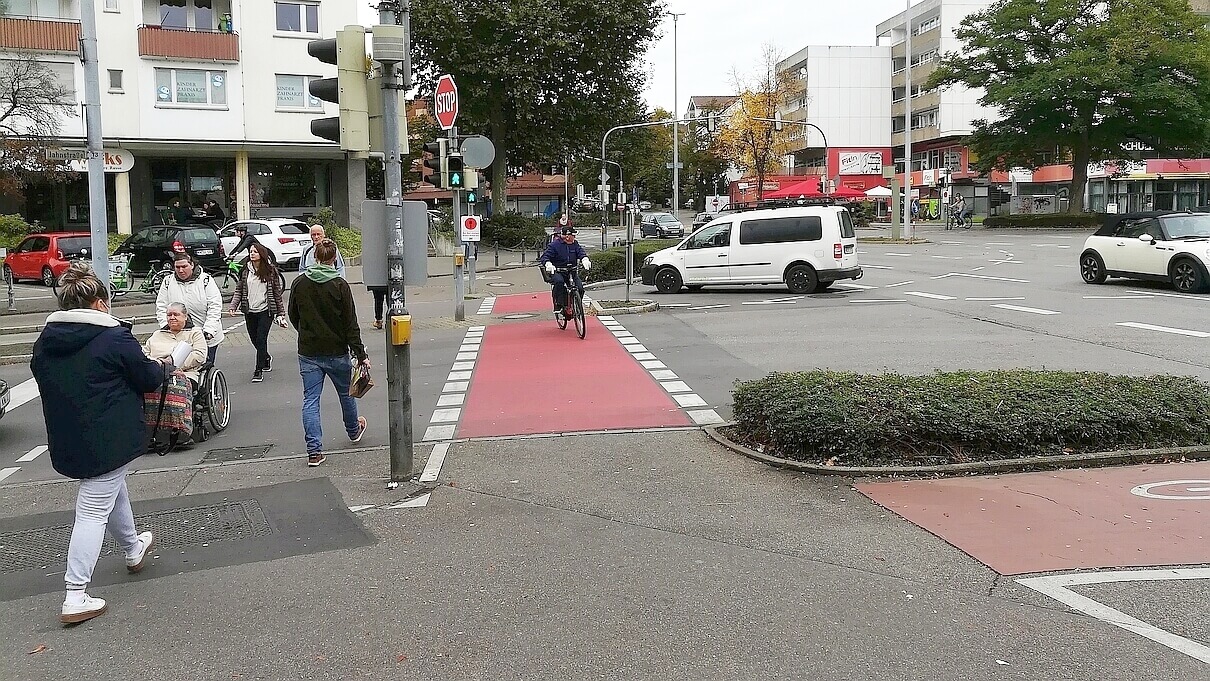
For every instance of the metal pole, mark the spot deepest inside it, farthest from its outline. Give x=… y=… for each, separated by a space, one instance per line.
x=676 y=128
x=459 y=294
x=97 y=216
x=907 y=131
x=399 y=357
x=566 y=198
x=629 y=217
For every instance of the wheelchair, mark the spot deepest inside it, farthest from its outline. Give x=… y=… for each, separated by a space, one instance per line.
x=211 y=403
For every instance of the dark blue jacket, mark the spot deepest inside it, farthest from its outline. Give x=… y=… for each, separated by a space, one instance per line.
x=91 y=374
x=562 y=254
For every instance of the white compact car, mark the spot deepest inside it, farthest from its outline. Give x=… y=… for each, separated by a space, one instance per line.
x=286 y=238
x=1164 y=246
x=805 y=248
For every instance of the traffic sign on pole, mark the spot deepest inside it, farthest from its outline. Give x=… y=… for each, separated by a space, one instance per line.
x=470 y=228
x=604 y=177
x=445 y=102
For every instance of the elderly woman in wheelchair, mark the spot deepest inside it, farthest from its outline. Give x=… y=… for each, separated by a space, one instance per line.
x=169 y=411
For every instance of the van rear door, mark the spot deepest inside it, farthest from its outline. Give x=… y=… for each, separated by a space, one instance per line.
x=848 y=242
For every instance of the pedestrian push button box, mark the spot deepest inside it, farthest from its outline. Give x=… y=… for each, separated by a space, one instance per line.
x=459 y=260
x=401 y=329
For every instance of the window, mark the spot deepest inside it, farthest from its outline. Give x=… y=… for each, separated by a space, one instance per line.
x=37 y=244
x=192 y=88
x=115 y=80
x=297 y=17
x=203 y=15
x=112 y=6
x=846 y=226
x=65 y=76
x=292 y=94
x=928 y=25
x=42 y=9
x=715 y=236
x=174 y=13
x=781 y=230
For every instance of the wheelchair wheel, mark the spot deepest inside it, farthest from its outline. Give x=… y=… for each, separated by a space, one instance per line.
x=218 y=407
x=200 y=432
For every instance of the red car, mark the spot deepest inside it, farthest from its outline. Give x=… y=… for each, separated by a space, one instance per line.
x=45 y=257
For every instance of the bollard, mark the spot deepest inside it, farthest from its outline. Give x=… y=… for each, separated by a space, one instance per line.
x=496 y=245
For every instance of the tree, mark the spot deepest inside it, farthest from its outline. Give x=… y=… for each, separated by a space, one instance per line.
x=706 y=164
x=754 y=145
x=32 y=102
x=539 y=78
x=1083 y=76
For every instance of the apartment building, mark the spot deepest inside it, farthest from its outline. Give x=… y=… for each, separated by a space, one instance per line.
x=844 y=94
x=204 y=100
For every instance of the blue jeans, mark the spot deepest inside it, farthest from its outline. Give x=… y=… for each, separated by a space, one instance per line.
x=313 y=370
x=558 y=281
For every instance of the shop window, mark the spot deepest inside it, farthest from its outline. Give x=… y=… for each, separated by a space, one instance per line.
x=191 y=88
x=292 y=94
x=283 y=184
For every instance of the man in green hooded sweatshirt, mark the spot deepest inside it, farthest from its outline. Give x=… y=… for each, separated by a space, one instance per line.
x=321 y=309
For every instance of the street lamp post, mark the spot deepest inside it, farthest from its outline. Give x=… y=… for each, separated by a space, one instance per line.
x=676 y=140
x=818 y=129
x=907 y=129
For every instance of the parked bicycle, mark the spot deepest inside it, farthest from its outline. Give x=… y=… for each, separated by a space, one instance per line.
x=122 y=279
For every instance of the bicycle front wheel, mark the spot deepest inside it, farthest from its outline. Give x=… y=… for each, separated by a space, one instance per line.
x=578 y=305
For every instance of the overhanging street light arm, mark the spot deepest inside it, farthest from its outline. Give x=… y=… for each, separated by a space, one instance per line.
x=809 y=125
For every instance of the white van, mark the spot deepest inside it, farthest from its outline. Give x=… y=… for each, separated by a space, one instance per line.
x=806 y=248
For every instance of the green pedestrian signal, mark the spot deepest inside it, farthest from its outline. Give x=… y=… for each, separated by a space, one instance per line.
x=456 y=173
x=471 y=196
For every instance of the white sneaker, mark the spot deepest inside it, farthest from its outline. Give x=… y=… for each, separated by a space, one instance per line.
x=85 y=610
x=134 y=562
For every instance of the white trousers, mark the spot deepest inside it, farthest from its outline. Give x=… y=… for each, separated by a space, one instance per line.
x=102 y=501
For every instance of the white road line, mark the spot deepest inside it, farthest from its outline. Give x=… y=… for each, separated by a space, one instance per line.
x=446 y=415
x=705 y=417
x=770 y=302
x=952 y=243
x=629 y=340
x=946 y=257
x=419 y=502
x=708 y=307
x=859 y=287
x=976 y=269
x=1116 y=297
x=880 y=300
x=466 y=356
x=981 y=276
x=459 y=376
x=899 y=255
x=33 y=454
x=933 y=296
x=1056 y=586
x=653 y=364
x=463 y=366
x=634 y=349
x=5 y=472
x=999 y=243
x=644 y=356
x=451 y=400
x=1165 y=329
x=1019 y=308
x=675 y=304
x=676 y=387
x=455 y=387
x=445 y=432
x=477 y=328
x=689 y=400
x=21 y=393
x=991 y=299
x=234 y=326
x=485 y=307
x=1171 y=295
x=606 y=318
x=877 y=267
x=902 y=283
x=664 y=375
x=432 y=467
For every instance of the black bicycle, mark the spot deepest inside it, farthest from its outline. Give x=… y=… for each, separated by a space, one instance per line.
x=955 y=221
x=575 y=299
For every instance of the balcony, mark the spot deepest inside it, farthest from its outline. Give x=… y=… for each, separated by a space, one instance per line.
x=179 y=43
x=39 y=35
x=921 y=102
x=919 y=135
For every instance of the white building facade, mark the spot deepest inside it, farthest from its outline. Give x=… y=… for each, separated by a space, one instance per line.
x=209 y=98
x=845 y=94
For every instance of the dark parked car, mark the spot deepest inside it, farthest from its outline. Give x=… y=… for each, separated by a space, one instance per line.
x=701 y=219
x=662 y=225
x=153 y=246
x=5 y=397
x=45 y=257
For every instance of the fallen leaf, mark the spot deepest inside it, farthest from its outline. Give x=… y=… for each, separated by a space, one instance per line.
x=320 y=658
x=42 y=647
x=402 y=658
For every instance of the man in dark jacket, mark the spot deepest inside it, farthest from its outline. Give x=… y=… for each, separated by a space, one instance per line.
x=321 y=308
x=92 y=374
x=563 y=252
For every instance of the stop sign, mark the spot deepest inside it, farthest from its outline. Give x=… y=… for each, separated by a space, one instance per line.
x=445 y=102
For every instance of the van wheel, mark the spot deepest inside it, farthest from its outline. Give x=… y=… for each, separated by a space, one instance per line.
x=668 y=280
x=802 y=279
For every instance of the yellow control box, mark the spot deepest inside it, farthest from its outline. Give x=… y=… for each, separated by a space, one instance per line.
x=401 y=329
x=459 y=260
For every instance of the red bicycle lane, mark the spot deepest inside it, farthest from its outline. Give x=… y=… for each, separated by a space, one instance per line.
x=1132 y=516
x=533 y=378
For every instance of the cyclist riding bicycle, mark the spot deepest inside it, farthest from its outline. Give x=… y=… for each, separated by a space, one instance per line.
x=564 y=252
x=201 y=296
x=958 y=208
x=245 y=244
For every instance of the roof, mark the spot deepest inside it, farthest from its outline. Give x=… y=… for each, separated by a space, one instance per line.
x=711 y=102
x=1112 y=220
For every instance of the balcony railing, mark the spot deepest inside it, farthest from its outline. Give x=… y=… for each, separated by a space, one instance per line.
x=180 y=43
x=39 y=35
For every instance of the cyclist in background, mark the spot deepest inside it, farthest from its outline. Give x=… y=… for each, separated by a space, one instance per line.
x=564 y=252
x=958 y=209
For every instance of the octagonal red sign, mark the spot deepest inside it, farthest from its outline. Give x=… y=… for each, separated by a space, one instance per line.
x=445 y=102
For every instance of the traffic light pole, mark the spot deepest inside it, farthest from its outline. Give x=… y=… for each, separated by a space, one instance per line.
x=460 y=252
x=398 y=357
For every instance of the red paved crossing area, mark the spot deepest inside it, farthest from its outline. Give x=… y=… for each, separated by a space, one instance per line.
x=1063 y=520
x=532 y=378
x=525 y=302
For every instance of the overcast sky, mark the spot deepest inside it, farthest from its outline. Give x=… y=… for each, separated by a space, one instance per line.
x=716 y=37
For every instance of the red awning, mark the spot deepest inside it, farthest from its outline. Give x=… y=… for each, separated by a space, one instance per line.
x=848 y=193
x=808 y=188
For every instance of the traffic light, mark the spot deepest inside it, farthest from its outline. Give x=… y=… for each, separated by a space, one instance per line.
x=455 y=172
x=436 y=163
x=472 y=196
x=822 y=187
x=471 y=185
x=347 y=51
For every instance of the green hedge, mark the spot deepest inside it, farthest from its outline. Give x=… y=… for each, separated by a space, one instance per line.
x=511 y=230
x=611 y=264
x=952 y=417
x=1046 y=220
x=13 y=228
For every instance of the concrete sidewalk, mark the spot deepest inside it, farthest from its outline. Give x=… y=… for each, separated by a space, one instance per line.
x=623 y=556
